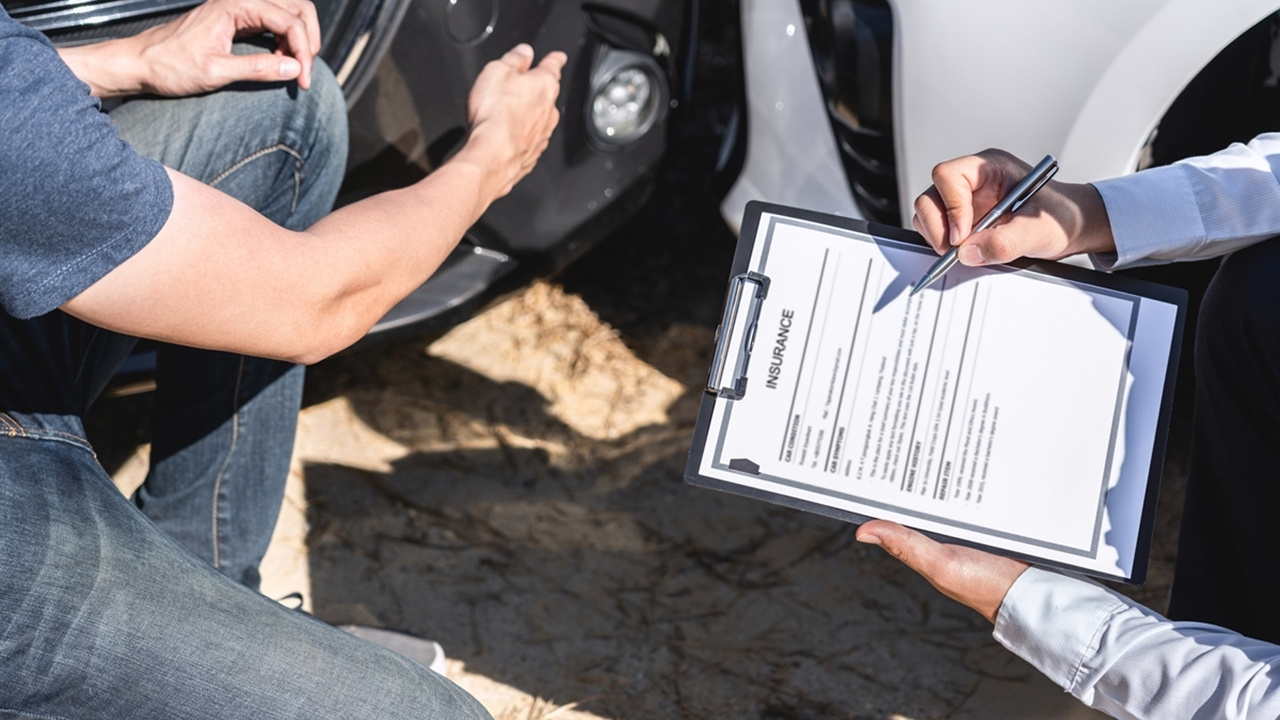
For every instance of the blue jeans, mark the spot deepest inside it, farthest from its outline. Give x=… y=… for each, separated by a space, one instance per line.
x=107 y=613
x=223 y=428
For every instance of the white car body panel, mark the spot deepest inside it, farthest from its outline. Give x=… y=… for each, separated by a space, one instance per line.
x=1086 y=80
x=791 y=151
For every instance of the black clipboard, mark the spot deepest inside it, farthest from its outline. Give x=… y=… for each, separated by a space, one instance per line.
x=749 y=293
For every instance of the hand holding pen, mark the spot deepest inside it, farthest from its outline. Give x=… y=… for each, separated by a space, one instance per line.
x=1022 y=192
x=1062 y=219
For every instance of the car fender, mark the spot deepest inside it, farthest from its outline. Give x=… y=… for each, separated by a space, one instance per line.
x=1137 y=89
x=791 y=155
x=1086 y=80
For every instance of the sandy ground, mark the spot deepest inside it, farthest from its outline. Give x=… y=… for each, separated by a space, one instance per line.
x=514 y=490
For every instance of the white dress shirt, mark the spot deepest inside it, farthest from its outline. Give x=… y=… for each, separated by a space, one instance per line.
x=1110 y=652
x=1126 y=660
x=1197 y=208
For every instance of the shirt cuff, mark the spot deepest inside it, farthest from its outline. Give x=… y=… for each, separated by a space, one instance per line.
x=1055 y=623
x=1154 y=217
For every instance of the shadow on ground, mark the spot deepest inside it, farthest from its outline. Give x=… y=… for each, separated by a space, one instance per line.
x=583 y=570
x=546 y=538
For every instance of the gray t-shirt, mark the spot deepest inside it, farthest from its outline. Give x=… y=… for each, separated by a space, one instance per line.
x=75 y=199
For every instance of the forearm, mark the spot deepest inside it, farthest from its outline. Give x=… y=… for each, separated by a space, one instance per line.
x=220 y=276
x=375 y=252
x=1120 y=657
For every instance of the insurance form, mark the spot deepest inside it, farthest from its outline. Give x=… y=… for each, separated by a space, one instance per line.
x=1012 y=409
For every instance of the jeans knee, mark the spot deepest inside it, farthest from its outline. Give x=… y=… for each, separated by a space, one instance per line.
x=326 y=108
x=329 y=102
x=322 y=113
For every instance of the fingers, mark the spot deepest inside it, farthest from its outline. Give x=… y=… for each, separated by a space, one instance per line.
x=512 y=111
x=931 y=221
x=543 y=80
x=944 y=213
x=295 y=25
x=518 y=58
x=304 y=59
x=970 y=186
x=305 y=10
x=257 y=67
x=553 y=64
x=954 y=184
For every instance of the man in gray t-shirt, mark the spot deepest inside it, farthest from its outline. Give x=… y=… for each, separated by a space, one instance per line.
x=223 y=423
x=101 y=613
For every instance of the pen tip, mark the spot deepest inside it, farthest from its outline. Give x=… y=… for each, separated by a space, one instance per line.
x=914 y=290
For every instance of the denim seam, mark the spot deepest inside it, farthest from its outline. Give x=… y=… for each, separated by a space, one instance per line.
x=55 y=436
x=40 y=716
x=281 y=147
x=15 y=429
x=217 y=483
x=12 y=427
x=61 y=435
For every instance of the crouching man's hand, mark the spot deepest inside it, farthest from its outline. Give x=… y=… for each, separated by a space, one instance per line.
x=191 y=54
x=972 y=577
x=512 y=111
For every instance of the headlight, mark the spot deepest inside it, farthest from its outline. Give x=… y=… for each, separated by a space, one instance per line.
x=628 y=96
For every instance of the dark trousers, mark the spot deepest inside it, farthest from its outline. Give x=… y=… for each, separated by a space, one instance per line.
x=1228 y=570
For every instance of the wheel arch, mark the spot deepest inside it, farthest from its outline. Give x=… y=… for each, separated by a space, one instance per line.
x=1149 y=75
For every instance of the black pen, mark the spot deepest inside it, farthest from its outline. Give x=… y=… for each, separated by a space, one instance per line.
x=1021 y=193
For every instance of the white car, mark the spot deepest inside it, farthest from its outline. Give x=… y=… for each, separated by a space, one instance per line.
x=850 y=103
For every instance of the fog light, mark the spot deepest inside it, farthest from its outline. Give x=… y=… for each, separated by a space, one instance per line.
x=628 y=94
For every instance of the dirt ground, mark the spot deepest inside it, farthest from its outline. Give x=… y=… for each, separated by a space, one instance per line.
x=513 y=490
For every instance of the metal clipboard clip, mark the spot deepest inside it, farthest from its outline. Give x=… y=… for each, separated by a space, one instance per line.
x=737 y=388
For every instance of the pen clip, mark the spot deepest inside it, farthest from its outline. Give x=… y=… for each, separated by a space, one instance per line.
x=736 y=389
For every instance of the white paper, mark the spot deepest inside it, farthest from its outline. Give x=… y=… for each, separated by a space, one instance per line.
x=1011 y=409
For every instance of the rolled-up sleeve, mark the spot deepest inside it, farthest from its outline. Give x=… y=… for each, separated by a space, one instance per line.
x=1196 y=208
x=1126 y=660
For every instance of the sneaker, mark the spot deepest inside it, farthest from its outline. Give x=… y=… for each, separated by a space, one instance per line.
x=426 y=653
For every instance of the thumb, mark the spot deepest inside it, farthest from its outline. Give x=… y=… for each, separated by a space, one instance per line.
x=972 y=577
x=259 y=67
x=914 y=549
x=996 y=246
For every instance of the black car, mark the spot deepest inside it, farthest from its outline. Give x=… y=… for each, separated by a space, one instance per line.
x=406 y=67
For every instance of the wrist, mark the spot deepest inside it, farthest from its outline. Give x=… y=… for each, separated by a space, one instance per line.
x=472 y=171
x=487 y=156
x=111 y=68
x=1093 y=234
